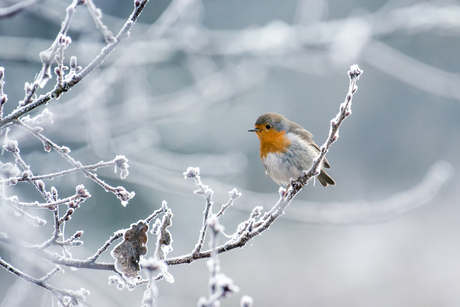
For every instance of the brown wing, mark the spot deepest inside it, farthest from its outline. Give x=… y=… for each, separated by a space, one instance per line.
x=307 y=136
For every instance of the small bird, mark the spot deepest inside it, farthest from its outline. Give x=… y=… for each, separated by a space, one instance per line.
x=286 y=149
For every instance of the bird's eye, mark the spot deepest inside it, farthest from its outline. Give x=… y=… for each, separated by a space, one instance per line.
x=268 y=126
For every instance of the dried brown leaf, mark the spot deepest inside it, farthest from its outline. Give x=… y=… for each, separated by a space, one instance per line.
x=129 y=251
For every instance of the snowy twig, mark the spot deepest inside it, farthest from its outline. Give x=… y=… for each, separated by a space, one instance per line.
x=115 y=236
x=51 y=176
x=97 y=17
x=194 y=172
x=252 y=228
x=120 y=192
x=63 y=295
x=74 y=79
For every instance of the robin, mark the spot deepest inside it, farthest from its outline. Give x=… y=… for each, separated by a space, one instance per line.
x=286 y=149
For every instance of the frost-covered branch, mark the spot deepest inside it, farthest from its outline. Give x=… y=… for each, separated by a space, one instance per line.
x=48 y=56
x=194 y=173
x=66 y=297
x=257 y=224
x=121 y=162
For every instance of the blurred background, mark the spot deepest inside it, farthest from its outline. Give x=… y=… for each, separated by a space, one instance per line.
x=183 y=90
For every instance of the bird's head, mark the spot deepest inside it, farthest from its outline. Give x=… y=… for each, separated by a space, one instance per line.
x=271 y=129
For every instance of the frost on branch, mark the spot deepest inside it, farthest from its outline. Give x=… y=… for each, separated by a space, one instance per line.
x=128 y=253
x=122 y=163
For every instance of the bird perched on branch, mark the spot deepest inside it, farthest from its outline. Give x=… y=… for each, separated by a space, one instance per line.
x=286 y=149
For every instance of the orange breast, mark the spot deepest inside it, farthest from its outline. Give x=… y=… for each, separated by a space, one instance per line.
x=272 y=141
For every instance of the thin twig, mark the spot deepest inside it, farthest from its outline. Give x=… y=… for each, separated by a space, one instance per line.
x=36 y=205
x=120 y=192
x=115 y=236
x=207 y=192
x=286 y=195
x=76 y=78
x=97 y=17
x=60 y=293
x=93 y=167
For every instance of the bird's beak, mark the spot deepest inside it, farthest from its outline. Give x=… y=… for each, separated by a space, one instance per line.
x=253 y=130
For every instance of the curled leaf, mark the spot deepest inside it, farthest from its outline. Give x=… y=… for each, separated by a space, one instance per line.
x=129 y=251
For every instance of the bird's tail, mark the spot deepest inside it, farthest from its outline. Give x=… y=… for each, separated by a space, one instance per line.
x=325 y=179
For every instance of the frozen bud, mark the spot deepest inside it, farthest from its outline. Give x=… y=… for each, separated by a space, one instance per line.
x=11 y=146
x=3 y=99
x=26 y=174
x=47 y=146
x=256 y=211
x=70 y=211
x=355 y=71
x=234 y=194
x=246 y=301
x=82 y=192
x=54 y=193
x=137 y=3
x=192 y=172
x=13 y=181
x=2 y=72
x=122 y=163
x=79 y=233
x=124 y=195
x=40 y=185
x=57 y=71
x=73 y=63
x=65 y=149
